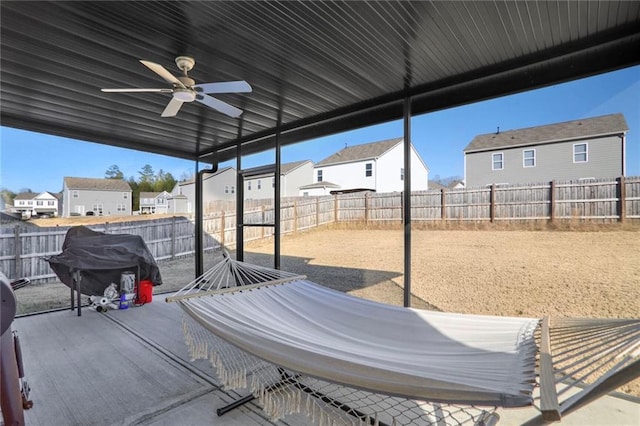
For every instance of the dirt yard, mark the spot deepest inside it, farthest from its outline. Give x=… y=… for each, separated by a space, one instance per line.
x=520 y=273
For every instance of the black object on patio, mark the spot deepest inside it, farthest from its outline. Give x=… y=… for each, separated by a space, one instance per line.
x=101 y=258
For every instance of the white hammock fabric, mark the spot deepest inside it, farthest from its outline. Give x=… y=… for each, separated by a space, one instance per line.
x=363 y=344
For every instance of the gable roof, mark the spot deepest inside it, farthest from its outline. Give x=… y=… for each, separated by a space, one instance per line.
x=97 y=184
x=152 y=194
x=25 y=196
x=605 y=125
x=322 y=184
x=289 y=167
x=360 y=152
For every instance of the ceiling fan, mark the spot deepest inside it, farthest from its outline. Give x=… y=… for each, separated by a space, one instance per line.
x=185 y=89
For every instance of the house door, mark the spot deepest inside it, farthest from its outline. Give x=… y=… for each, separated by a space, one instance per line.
x=80 y=210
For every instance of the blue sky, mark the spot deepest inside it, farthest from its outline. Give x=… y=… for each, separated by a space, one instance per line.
x=39 y=162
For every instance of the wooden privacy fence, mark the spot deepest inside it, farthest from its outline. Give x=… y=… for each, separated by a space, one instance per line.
x=22 y=248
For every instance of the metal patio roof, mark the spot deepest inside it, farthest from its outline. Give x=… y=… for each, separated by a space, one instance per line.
x=316 y=67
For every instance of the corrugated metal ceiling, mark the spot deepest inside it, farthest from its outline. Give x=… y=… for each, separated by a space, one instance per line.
x=315 y=67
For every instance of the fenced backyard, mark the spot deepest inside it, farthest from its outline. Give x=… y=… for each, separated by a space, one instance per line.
x=23 y=248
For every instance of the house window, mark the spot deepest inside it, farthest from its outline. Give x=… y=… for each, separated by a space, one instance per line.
x=233 y=189
x=529 y=158
x=249 y=186
x=368 y=169
x=125 y=195
x=226 y=189
x=50 y=203
x=259 y=184
x=97 y=208
x=273 y=182
x=160 y=201
x=319 y=175
x=402 y=173
x=39 y=203
x=75 y=194
x=120 y=208
x=580 y=153
x=497 y=161
x=21 y=203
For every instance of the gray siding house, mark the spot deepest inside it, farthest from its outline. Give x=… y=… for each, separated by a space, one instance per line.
x=106 y=197
x=591 y=148
x=220 y=185
x=292 y=177
x=154 y=202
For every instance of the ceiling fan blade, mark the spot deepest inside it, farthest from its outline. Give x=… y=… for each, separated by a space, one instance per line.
x=162 y=72
x=240 y=86
x=134 y=90
x=172 y=108
x=217 y=104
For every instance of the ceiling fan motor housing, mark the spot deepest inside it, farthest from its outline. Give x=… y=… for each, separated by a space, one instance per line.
x=185 y=95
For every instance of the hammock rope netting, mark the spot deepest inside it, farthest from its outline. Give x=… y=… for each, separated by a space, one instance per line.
x=301 y=348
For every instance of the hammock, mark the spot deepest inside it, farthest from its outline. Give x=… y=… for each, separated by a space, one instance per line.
x=300 y=347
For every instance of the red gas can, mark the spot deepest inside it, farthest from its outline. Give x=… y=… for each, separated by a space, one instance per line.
x=145 y=292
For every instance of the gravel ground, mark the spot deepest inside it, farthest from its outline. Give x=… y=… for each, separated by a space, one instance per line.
x=514 y=273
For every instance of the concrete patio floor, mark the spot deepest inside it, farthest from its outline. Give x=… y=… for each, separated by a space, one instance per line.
x=131 y=367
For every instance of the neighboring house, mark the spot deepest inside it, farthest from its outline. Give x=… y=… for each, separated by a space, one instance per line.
x=318 y=188
x=377 y=166
x=154 y=202
x=590 y=148
x=177 y=204
x=30 y=204
x=292 y=177
x=220 y=185
x=108 y=197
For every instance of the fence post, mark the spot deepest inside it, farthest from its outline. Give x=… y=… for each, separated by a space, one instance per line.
x=173 y=237
x=492 y=206
x=443 y=204
x=366 y=208
x=222 y=216
x=317 y=212
x=18 y=249
x=295 y=217
x=622 y=198
x=552 y=201
x=401 y=208
x=335 y=208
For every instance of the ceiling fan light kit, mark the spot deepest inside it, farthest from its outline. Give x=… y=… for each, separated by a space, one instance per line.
x=185 y=89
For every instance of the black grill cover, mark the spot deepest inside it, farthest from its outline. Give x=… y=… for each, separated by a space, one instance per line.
x=102 y=258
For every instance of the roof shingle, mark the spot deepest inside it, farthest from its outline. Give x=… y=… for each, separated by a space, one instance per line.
x=360 y=152
x=551 y=133
x=97 y=184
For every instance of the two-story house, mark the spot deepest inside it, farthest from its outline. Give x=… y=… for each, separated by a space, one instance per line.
x=376 y=166
x=220 y=185
x=154 y=202
x=591 y=148
x=292 y=177
x=30 y=204
x=108 y=197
